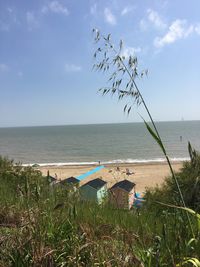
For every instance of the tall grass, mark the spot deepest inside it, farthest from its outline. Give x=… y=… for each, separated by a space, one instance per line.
x=122 y=74
x=46 y=226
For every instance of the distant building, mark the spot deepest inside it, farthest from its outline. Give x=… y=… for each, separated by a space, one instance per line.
x=122 y=194
x=95 y=190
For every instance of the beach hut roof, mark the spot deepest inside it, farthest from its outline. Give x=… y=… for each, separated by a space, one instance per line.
x=70 y=180
x=51 y=178
x=125 y=184
x=96 y=183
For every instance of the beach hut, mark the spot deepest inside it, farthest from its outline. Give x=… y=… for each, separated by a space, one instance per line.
x=70 y=181
x=51 y=179
x=95 y=190
x=122 y=194
x=139 y=200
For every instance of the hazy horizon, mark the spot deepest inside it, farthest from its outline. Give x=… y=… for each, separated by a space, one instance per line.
x=100 y=123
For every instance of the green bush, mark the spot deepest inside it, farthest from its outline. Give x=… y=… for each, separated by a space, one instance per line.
x=189 y=180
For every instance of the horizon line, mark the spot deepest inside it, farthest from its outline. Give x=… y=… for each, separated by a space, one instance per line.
x=82 y=124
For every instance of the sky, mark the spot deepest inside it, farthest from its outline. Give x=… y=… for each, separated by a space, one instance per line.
x=46 y=59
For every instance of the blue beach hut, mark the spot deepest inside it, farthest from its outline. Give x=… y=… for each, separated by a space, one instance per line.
x=138 y=201
x=94 y=190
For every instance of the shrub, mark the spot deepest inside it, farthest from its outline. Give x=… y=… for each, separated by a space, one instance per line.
x=189 y=181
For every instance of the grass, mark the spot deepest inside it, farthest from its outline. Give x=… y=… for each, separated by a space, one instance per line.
x=45 y=226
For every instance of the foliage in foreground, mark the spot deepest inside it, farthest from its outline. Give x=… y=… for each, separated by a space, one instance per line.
x=45 y=226
x=189 y=181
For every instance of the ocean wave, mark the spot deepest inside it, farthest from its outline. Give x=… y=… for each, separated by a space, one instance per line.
x=116 y=161
x=144 y=160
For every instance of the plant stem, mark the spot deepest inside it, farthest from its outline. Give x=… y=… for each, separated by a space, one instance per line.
x=156 y=130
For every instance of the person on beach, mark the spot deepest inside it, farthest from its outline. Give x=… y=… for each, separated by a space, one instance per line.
x=128 y=172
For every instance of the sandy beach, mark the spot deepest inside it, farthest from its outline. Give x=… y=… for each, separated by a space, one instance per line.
x=145 y=175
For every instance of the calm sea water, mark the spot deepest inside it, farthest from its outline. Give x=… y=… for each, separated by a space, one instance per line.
x=91 y=143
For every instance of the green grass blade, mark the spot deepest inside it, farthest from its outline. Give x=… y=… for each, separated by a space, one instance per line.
x=155 y=137
x=191 y=211
x=195 y=262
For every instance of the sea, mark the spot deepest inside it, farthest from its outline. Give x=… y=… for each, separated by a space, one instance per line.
x=89 y=144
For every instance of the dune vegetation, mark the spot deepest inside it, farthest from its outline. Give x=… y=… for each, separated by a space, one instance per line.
x=41 y=225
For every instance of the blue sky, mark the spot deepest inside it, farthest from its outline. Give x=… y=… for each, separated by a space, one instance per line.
x=46 y=49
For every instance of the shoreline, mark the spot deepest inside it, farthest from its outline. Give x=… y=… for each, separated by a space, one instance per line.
x=145 y=175
x=106 y=163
